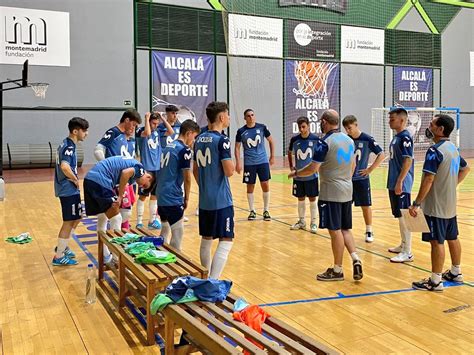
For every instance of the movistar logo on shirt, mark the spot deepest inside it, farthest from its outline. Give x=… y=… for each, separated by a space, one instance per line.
x=203 y=159
x=407 y=144
x=226 y=145
x=188 y=156
x=254 y=142
x=300 y=155
x=454 y=167
x=68 y=152
x=152 y=143
x=165 y=159
x=344 y=157
x=124 y=152
x=107 y=136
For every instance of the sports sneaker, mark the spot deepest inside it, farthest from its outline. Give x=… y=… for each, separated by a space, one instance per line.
x=427 y=285
x=402 y=257
x=185 y=219
x=369 y=237
x=252 y=216
x=449 y=276
x=68 y=253
x=357 y=270
x=298 y=225
x=197 y=212
x=330 y=275
x=266 y=216
x=108 y=259
x=314 y=228
x=139 y=225
x=63 y=261
x=154 y=225
x=396 y=250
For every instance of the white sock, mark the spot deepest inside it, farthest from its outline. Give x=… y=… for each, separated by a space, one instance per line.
x=125 y=213
x=101 y=222
x=250 y=199
x=116 y=222
x=354 y=256
x=205 y=253
x=405 y=235
x=62 y=245
x=301 y=209
x=220 y=259
x=266 y=200
x=337 y=268
x=140 y=211
x=166 y=231
x=177 y=231
x=436 y=278
x=456 y=270
x=153 y=206
x=313 y=208
x=368 y=228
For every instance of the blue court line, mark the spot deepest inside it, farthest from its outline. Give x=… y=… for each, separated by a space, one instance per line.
x=112 y=284
x=90 y=242
x=86 y=235
x=341 y=296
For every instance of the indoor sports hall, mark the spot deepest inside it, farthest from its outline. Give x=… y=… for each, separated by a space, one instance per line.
x=231 y=89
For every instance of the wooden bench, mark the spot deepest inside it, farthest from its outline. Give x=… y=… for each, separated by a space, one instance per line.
x=197 y=319
x=139 y=283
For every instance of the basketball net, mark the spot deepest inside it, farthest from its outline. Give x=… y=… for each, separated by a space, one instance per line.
x=312 y=78
x=39 y=89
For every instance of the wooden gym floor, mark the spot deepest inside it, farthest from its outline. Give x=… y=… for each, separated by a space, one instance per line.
x=43 y=311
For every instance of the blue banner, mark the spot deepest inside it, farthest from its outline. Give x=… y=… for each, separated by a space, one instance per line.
x=413 y=87
x=310 y=89
x=184 y=80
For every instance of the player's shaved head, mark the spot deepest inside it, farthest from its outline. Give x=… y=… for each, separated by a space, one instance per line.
x=331 y=117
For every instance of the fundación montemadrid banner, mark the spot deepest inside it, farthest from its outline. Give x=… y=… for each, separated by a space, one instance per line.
x=185 y=80
x=413 y=87
x=40 y=36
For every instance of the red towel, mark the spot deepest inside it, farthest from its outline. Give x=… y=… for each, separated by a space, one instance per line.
x=254 y=317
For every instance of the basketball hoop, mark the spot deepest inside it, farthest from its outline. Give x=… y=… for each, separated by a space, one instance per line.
x=312 y=78
x=39 y=89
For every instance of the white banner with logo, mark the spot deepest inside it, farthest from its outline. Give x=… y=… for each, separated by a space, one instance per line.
x=362 y=45
x=40 y=36
x=255 y=36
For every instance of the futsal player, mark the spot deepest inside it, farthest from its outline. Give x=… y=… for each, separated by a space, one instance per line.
x=172 y=118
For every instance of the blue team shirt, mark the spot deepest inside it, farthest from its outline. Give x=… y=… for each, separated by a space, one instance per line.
x=175 y=157
x=66 y=152
x=253 y=142
x=115 y=143
x=210 y=149
x=206 y=128
x=401 y=146
x=130 y=148
x=303 y=150
x=164 y=139
x=364 y=145
x=434 y=158
x=150 y=149
x=107 y=172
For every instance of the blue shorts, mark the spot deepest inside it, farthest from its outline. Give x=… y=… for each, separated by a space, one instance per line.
x=361 y=192
x=441 y=229
x=217 y=223
x=152 y=189
x=97 y=198
x=71 y=207
x=308 y=188
x=171 y=214
x=335 y=215
x=399 y=202
x=251 y=172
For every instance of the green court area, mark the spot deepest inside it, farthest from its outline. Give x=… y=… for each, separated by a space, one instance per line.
x=378 y=179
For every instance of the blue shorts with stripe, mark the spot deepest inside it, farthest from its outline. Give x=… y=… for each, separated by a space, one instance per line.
x=335 y=215
x=217 y=223
x=361 y=192
x=251 y=172
x=307 y=188
x=441 y=229
x=399 y=202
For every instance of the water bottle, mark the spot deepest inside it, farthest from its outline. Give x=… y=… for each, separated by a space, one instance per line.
x=2 y=189
x=90 y=284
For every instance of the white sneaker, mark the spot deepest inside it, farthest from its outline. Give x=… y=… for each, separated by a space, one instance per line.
x=185 y=219
x=314 y=228
x=369 y=237
x=402 y=257
x=298 y=225
x=396 y=250
x=197 y=212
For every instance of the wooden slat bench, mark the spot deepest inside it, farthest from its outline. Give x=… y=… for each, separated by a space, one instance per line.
x=197 y=318
x=141 y=282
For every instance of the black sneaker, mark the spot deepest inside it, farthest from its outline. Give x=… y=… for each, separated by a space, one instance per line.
x=330 y=275
x=252 y=216
x=449 y=276
x=427 y=285
x=357 y=270
x=266 y=216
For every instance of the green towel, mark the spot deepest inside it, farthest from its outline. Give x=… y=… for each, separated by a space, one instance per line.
x=161 y=300
x=23 y=238
x=138 y=248
x=126 y=239
x=155 y=257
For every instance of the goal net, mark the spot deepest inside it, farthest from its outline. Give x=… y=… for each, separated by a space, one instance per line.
x=418 y=120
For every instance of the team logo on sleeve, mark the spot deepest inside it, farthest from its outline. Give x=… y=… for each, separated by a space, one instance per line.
x=254 y=142
x=226 y=145
x=107 y=135
x=188 y=156
x=203 y=159
x=300 y=155
x=141 y=172
x=407 y=144
x=69 y=152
